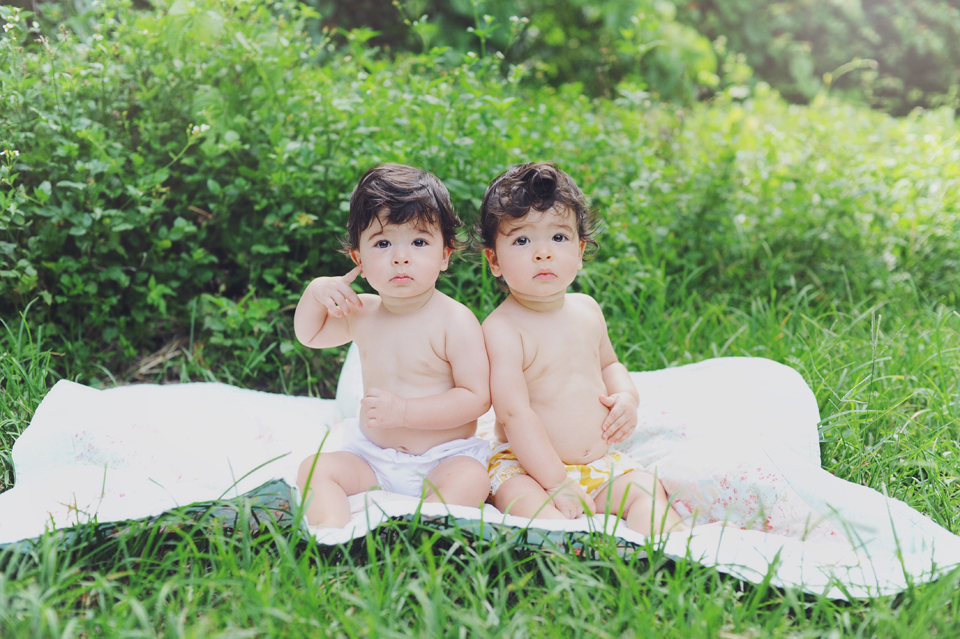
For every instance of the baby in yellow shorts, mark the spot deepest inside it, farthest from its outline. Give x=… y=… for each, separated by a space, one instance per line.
x=559 y=392
x=591 y=477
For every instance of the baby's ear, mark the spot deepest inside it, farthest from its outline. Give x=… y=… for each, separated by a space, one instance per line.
x=491 y=256
x=583 y=247
x=447 y=252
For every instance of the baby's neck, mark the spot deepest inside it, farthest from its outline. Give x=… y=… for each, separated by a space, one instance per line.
x=404 y=305
x=540 y=304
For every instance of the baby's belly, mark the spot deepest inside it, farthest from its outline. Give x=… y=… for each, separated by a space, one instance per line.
x=414 y=441
x=574 y=427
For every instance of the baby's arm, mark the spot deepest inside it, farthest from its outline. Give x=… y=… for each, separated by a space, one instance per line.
x=622 y=397
x=524 y=430
x=319 y=320
x=465 y=402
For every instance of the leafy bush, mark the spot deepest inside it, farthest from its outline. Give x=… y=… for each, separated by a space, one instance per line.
x=185 y=173
x=202 y=150
x=760 y=195
x=799 y=45
x=594 y=44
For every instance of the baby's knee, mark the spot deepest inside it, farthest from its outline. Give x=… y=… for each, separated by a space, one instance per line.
x=471 y=476
x=476 y=475
x=310 y=469
x=304 y=470
x=640 y=484
x=474 y=469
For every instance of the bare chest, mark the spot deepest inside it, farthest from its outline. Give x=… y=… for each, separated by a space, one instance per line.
x=561 y=349
x=402 y=351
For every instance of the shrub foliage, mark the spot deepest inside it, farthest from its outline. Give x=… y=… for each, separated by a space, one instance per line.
x=186 y=171
x=798 y=46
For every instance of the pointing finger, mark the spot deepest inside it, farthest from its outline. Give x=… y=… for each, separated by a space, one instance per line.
x=352 y=274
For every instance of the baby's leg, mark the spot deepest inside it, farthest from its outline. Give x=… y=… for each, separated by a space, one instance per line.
x=641 y=500
x=333 y=477
x=460 y=480
x=523 y=496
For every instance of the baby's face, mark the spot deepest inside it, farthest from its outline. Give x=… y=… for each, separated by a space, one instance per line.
x=401 y=260
x=538 y=255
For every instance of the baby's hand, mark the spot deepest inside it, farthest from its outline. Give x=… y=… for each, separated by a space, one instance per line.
x=384 y=409
x=335 y=293
x=622 y=419
x=571 y=501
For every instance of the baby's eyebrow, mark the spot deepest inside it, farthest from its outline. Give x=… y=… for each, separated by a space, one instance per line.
x=515 y=229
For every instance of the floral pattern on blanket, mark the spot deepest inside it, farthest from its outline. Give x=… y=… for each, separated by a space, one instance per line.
x=717 y=479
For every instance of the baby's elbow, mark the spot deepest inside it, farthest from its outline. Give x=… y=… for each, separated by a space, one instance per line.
x=485 y=406
x=508 y=413
x=483 y=401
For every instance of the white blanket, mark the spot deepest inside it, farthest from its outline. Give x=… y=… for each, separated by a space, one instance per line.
x=730 y=438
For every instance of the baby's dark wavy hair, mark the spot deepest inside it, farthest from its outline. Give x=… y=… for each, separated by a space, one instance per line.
x=535 y=186
x=403 y=193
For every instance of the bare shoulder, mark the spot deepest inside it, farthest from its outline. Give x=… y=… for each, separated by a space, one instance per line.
x=362 y=321
x=499 y=321
x=357 y=316
x=500 y=318
x=370 y=302
x=454 y=314
x=583 y=303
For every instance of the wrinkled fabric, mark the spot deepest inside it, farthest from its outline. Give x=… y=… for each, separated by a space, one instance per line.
x=731 y=439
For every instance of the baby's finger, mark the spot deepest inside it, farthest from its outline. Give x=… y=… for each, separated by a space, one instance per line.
x=591 y=506
x=349 y=295
x=608 y=401
x=332 y=308
x=352 y=274
x=341 y=303
x=613 y=417
x=566 y=506
x=613 y=434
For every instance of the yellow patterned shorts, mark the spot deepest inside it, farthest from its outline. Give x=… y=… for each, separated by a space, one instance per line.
x=591 y=477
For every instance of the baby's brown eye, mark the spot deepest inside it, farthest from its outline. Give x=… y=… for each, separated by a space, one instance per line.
x=383 y=244
x=559 y=237
x=418 y=242
x=521 y=241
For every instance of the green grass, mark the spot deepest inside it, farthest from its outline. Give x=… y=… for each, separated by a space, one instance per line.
x=410 y=580
x=885 y=374
x=825 y=238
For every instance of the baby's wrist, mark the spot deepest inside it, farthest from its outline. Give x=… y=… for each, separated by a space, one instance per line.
x=631 y=397
x=553 y=486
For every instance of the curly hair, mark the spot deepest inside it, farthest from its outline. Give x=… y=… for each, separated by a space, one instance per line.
x=536 y=186
x=401 y=193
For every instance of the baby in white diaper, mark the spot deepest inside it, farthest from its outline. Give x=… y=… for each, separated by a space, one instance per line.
x=403 y=473
x=425 y=371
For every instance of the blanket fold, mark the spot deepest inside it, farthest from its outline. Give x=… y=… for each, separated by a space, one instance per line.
x=731 y=439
